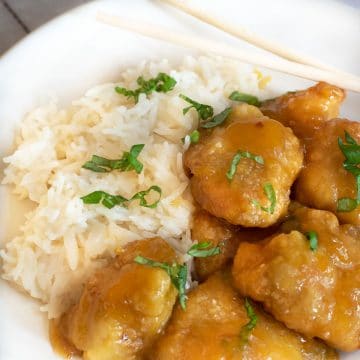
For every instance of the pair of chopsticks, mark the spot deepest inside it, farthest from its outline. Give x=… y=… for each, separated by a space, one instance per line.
x=288 y=61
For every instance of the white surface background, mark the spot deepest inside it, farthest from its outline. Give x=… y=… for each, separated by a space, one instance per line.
x=74 y=53
x=19 y=17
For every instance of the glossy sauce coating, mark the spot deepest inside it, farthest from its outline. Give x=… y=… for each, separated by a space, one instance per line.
x=210 y=329
x=208 y=228
x=324 y=181
x=210 y=159
x=314 y=292
x=217 y=232
x=305 y=111
x=124 y=306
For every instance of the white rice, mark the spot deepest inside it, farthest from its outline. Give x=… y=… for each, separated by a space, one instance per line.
x=64 y=240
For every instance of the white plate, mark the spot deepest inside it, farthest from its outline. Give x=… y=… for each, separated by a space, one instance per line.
x=74 y=52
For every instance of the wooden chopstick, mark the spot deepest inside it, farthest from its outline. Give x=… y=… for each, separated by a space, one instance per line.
x=208 y=46
x=244 y=34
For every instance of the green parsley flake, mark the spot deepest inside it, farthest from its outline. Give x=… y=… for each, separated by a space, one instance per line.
x=347 y=204
x=313 y=239
x=253 y=319
x=102 y=197
x=176 y=272
x=128 y=162
x=161 y=83
x=246 y=98
x=203 y=249
x=271 y=195
x=236 y=159
x=204 y=111
x=194 y=137
x=141 y=196
x=216 y=120
x=109 y=201
x=351 y=151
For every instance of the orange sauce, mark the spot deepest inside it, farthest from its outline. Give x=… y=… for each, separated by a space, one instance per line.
x=59 y=342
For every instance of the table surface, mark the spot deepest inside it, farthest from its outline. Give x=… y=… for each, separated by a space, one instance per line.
x=19 y=17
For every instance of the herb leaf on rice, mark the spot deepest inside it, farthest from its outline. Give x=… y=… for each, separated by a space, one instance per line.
x=204 y=111
x=217 y=119
x=109 y=201
x=104 y=198
x=161 y=83
x=128 y=162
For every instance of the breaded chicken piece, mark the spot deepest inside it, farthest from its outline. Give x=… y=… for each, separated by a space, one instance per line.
x=305 y=111
x=217 y=232
x=209 y=229
x=352 y=230
x=243 y=200
x=124 y=306
x=312 y=288
x=211 y=328
x=324 y=180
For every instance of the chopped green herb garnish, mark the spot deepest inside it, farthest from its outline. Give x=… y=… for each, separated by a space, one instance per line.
x=100 y=164
x=128 y=162
x=162 y=83
x=351 y=151
x=180 y=284
x=109 y=201
x=194 y=137
x=271 y=195
x=313 y=239
x=246 y=98
x=176 y=272
x=141 y=196
x=102 y=197
x=236 y=159
x=203 y=249
x=204 y=111
x=253 y=319
x=349 y=139
x=216 y=120
x=347 y=204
